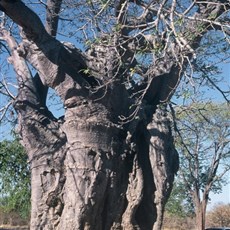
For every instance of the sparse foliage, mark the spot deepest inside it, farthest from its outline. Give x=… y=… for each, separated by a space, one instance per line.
x=179 y=205
x=203 y=141
x=179 y=214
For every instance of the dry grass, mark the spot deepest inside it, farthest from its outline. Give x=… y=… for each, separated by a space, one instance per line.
x=12 y=220
x=8 y=227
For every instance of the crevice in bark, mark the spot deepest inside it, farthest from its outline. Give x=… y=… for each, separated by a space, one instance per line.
x=145 y=214
x=41 y=95
x=47 y=171
x=164 y=160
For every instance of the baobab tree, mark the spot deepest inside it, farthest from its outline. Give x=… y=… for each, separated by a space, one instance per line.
x=109 y=162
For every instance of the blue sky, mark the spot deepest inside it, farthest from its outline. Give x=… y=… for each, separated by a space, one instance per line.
x=223 y=197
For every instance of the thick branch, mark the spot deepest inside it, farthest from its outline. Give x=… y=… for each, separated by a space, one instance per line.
x=52 y=16
x=58 y=65
x=27 y=91
x=27 y=19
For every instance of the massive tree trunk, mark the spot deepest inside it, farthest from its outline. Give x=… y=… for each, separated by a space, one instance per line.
x=109 y=162
x=86 y=173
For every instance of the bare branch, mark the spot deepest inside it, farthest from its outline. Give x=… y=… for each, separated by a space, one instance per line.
x=7 y=92
x=4 y=110
x=24 y=77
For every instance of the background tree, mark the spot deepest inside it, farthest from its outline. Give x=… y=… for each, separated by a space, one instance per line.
x=179 y=214
x=203 y=141
x=109 y=161
x=15 y=178
x=219 y=216
x=178 y=204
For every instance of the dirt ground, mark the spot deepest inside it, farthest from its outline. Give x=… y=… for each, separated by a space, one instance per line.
x=5 y=227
